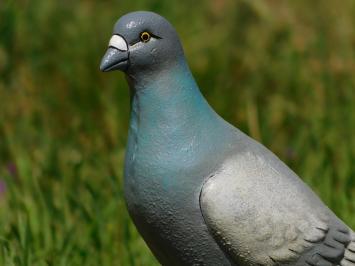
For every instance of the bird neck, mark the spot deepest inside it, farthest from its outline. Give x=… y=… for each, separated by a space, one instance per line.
x=168 y=107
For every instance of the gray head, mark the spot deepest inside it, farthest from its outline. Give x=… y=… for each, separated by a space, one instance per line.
x=142 y=41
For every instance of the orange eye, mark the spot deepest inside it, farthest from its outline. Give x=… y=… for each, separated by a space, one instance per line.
x=145 y=36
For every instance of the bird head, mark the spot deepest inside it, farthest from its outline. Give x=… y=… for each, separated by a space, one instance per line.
x=142 y=41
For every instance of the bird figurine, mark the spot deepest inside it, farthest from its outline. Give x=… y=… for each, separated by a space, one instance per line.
x=199 y=190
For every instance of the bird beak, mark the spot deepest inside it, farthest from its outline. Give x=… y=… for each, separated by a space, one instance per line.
x=116 y=56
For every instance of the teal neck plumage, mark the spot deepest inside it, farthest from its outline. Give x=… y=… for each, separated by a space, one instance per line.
x=171 y=124
x=168 y=109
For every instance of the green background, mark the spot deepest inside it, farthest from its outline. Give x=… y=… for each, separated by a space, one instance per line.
x=281 y=71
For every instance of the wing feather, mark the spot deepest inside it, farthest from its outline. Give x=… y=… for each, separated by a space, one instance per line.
x=262 y=215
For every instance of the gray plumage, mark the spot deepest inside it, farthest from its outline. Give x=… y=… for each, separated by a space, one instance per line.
x=200 y=191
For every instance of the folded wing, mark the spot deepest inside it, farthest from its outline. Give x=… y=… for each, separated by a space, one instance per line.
x=261 y=213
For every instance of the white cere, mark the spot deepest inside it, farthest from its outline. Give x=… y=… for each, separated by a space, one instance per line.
x=118 y=42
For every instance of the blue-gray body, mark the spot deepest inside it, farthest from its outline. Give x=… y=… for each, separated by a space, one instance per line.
x=199 y=190
x=174 y=144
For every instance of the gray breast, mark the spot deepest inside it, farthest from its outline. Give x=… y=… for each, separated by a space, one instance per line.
x=167 y=214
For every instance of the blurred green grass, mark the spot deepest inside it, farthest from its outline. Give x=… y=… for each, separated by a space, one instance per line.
x=281 y=71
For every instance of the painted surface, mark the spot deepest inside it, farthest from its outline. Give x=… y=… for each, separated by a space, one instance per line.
x=200 y=191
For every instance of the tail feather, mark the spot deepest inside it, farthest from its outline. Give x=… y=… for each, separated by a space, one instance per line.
x=349 y=255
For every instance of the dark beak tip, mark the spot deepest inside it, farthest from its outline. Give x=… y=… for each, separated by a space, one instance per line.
x=113 y=60
x=104 y=65
x=102 y=68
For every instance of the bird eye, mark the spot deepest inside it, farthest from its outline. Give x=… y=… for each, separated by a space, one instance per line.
x=145 y=36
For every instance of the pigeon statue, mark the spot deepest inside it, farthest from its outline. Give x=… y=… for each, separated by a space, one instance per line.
x=200 y=191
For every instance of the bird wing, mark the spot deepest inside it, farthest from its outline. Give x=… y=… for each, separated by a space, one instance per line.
x=261 y=213
x=349 y=256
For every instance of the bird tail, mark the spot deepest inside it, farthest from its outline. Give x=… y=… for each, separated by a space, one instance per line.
x=349 y=255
